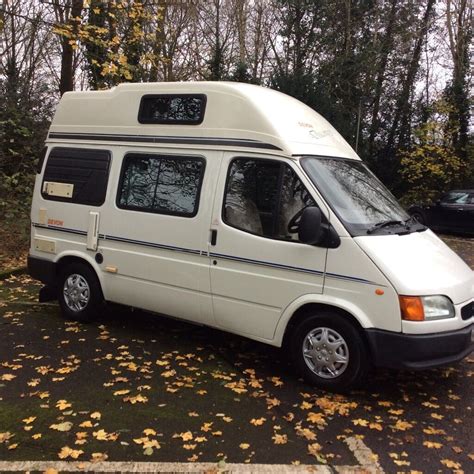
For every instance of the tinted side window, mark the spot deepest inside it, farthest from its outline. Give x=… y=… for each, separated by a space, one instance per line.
x=184 y=109
x=161 y=184
x=457 y=197
x=262 y=196
x=84 y=171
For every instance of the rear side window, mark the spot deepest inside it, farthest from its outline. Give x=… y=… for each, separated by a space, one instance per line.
x=456 y=197
x=76 y=175
x=183 y=109
x=161 y=184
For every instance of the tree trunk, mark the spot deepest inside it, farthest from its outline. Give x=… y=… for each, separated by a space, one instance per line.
x=458 y=92
x=387 y=43
x=241 y=20
x=402 y=117
x=66 y=82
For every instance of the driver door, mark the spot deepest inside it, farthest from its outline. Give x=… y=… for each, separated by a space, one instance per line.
x=257 y=265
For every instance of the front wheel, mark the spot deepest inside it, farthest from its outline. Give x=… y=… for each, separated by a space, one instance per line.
x=79 y=293
x=329 y=352
x=419 y=216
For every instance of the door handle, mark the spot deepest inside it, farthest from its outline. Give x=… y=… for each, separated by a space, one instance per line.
x=213 y=237
x=93 y=231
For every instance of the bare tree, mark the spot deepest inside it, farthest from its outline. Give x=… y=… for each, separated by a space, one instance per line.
x=459 y=26
x=25 y=38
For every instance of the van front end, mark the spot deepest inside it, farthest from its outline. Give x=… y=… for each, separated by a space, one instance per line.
x=427 y=316
x=435 y=289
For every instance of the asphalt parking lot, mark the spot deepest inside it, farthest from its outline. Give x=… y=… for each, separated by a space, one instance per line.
x=136 y=386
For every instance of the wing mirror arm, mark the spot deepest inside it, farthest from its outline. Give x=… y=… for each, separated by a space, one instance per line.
x=332 y=239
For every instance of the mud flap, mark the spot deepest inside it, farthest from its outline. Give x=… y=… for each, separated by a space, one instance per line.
x=47 y=293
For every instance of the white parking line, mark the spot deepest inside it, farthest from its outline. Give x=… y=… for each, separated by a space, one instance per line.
x=367 y=459
x=169 y=467
x=368 y=465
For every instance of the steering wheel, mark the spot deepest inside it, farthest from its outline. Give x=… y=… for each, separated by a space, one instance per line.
x=294 y=223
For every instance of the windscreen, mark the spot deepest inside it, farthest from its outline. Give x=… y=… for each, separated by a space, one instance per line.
x=355 y=194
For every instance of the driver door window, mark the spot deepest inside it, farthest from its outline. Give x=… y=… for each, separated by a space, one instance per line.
x=263 y=197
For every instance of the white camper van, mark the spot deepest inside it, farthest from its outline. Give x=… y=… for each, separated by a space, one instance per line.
x=238 y=207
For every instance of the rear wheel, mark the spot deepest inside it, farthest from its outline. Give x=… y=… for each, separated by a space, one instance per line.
x=329 y=352
x=79 y=293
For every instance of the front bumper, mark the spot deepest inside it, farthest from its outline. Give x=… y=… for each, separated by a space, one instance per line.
x=419 y=351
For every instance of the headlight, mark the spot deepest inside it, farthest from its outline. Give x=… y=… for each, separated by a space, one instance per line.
x=426 y=308
x=437 y=307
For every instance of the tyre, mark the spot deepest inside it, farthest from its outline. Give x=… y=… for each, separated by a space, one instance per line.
x=329 y=352
x=79 y=293
x=419 y=216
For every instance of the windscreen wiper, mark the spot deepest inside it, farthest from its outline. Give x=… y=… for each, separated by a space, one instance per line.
x=381 y=225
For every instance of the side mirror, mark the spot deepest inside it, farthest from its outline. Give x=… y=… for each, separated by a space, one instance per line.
x=310 y=229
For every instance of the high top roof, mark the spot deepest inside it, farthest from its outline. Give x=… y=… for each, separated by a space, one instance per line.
x=234 y=111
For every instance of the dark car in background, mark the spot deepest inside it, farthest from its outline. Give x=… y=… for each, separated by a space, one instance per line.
x=453 y=212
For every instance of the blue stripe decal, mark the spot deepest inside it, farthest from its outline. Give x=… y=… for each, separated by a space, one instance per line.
x=150 y=244
x=120 y=239
x=267 y=264
x=216 y=141
x=216 y=255
x=59 y=229
x=350 y=278
x=291 y=268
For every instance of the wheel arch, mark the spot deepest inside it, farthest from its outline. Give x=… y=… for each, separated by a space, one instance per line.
x=303 y=308
x=417 y=209
x=66 y=259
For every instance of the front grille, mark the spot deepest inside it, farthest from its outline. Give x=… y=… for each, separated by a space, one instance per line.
x=467 y=311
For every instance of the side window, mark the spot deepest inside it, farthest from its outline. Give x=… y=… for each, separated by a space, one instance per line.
x=173 y=109
x=262 y=197
x=456 y=197
x=161 y=184
x=76 y=175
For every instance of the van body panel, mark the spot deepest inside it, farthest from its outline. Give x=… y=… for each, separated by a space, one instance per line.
x=352 y=276
x=158 y=280
x=420 y=264
x=253 y=278
x=249 y=296
x=294 y=129
x=161 y=259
